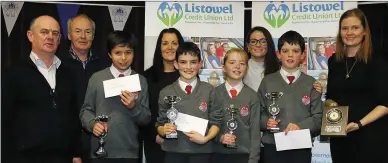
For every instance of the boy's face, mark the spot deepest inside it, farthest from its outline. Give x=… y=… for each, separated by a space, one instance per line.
x=235 y=66
x=290 y=56
x=122 y=57
x=188 y=66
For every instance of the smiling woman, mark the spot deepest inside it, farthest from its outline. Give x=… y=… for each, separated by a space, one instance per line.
x=354 y=69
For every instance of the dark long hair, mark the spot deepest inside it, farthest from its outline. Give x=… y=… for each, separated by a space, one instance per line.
x=157 y=65
x=271 y=63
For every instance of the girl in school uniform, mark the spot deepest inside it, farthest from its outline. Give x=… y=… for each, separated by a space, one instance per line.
x=243 y=145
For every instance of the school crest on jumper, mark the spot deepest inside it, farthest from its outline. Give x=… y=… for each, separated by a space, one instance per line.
x=244 y=111
x=306 y=100
x=203 y=106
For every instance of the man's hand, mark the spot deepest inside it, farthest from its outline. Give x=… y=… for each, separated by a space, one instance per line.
x=77 y=160
x=291 y=127
x=196 y=137
x=159 y=140
x=128 y=99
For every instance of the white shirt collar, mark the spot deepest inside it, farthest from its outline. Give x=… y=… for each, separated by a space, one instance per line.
x=284 y=74
x=183 y=84
x=39 y=62
x=237 y=87
x=116 y=72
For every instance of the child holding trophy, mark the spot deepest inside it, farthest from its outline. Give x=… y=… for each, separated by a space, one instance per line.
x=122 y=114
x=289 y=102
x=190 y=97
x=239 y=138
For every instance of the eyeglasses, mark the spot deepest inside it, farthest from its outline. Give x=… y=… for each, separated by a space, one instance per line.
x=263 y=42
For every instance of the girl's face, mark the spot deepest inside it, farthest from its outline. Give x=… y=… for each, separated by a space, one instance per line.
x=235 y=66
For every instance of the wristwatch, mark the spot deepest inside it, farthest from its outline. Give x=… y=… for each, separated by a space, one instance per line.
x=359 y=124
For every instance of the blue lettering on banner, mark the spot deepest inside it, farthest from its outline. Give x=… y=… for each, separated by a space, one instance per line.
x=303 y=7
x=208 y=9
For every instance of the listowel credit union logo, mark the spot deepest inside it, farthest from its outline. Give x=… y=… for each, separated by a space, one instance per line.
x=170 y=15
x=276 y=16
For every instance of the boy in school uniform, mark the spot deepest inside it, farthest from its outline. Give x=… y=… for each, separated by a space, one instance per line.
x=234 y=92
x=126 y=112
x=300 y=105
x=197 y=99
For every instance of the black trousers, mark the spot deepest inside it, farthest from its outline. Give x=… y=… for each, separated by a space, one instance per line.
x=115 y=160
x=229 y=158
x=172 y=157
x=153 y=151
x=40 y=160
x=289 y=156
x=86 y=146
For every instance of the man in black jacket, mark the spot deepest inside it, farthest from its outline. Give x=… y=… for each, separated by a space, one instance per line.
x=39 y=106
x=83 y=62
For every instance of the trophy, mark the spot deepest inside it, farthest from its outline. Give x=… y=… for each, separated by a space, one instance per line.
x=101 y=152
x=231 y=124
x=334 y=121
x=274 y=108
x=172 y=113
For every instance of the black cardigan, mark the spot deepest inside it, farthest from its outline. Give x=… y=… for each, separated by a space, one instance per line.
x=31 y=125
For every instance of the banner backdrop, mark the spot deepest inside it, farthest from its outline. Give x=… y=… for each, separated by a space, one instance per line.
x=318 y=23
x=11 y=12
x=214 y=26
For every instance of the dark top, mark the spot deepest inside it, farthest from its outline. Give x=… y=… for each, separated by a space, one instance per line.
x=31 y=126
x=362 y=92
x=155 y=85
x=82 y=75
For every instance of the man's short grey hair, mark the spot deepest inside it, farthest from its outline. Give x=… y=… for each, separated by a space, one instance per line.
x=70 y=20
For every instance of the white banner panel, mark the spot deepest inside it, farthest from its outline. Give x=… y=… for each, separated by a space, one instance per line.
x=310 y=19
x=318 y=23
x=201 y=22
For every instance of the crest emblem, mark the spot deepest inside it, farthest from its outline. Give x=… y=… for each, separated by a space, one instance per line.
x=244 y=111
x=203 y=106
x=306 y=100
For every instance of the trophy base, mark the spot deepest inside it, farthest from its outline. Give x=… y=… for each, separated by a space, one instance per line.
x=233 y=146
x=101 y=153
x=274 y=130
x=172 y=136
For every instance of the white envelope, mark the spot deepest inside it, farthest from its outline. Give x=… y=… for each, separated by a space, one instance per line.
x=297 y=139
x=187 y=123
x=113 y=87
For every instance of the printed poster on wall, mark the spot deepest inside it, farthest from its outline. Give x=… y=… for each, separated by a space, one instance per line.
x=214 y=26
x=318 y=23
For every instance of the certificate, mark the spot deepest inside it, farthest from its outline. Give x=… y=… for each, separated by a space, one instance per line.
x=113 y=87
x=187 y=123
x=297 y=139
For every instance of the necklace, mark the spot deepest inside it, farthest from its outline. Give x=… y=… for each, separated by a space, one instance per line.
x=347 y=71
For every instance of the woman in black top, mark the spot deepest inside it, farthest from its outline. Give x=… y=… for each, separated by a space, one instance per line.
x=358 y=80
x=159 y=75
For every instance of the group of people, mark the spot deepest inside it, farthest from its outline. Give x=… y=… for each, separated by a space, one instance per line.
x=215 y=54
x=50 y=103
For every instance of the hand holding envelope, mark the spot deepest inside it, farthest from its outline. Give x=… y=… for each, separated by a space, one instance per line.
x=193 y=127
x=114 y=87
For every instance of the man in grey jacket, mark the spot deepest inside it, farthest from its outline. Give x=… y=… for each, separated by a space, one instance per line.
x=126 y=112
